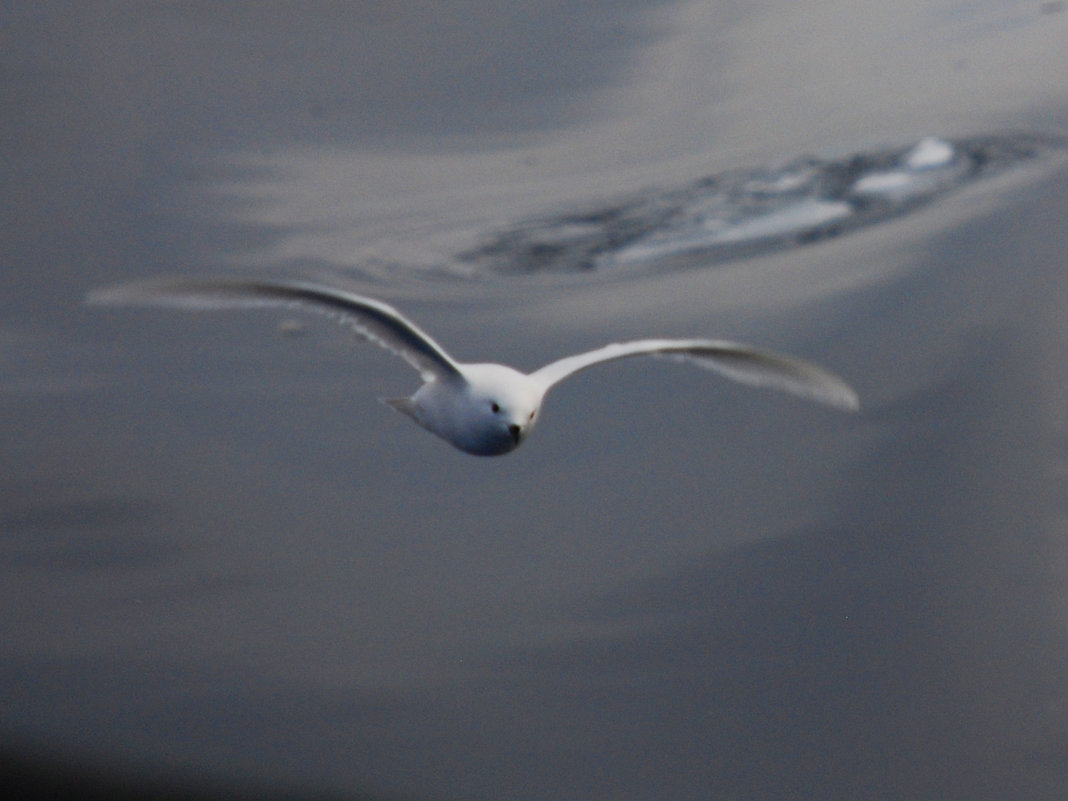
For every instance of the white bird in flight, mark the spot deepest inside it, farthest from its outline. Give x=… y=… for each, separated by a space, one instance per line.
x=482 y=409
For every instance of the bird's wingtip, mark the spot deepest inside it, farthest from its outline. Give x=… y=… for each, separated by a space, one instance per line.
x=183 y=294
x=114 y=295
x=842 y=396
x=138 y=293
x=838 y=395
x=850 y=403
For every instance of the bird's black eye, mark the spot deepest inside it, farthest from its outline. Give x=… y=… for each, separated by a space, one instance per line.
x=532 y=414
x=496 y=407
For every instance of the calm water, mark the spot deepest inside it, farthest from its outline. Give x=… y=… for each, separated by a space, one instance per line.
x=222 y=560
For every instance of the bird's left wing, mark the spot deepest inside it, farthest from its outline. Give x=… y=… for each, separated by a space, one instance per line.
x=739 y=362
x=372 y=319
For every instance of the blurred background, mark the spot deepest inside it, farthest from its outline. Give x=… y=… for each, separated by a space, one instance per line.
x=226 y=570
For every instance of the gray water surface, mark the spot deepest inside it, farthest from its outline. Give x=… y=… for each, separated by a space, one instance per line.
x=224 y=562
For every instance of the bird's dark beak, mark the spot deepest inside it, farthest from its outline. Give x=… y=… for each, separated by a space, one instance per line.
x=516 y=432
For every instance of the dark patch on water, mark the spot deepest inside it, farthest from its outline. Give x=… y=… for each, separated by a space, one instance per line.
x=750 y=211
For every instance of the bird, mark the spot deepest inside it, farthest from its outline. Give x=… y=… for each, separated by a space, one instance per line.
x=483 y=409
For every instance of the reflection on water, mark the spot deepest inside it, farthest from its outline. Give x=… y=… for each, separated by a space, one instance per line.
x=723 y=217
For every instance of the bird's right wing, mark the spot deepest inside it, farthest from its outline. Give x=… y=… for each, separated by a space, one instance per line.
x=375 y=321
x=741 y=363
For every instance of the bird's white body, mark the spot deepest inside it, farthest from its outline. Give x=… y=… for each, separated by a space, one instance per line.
x=482 y=409
x=489 y=413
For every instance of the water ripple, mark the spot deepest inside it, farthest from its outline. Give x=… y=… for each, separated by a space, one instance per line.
x=746 y=212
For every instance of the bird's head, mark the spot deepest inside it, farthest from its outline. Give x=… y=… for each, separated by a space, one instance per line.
x=504 y=403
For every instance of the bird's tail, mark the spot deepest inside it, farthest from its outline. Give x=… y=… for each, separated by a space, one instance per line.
x=402 y=405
